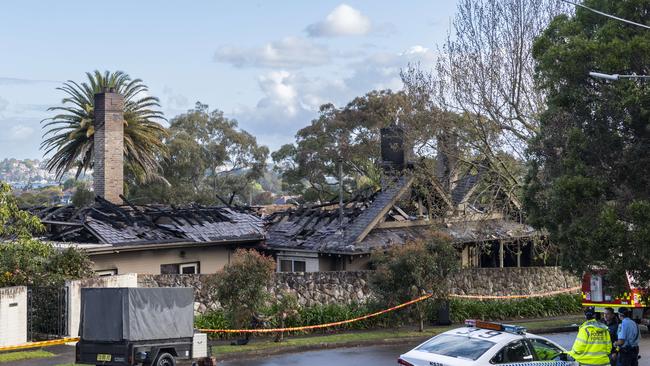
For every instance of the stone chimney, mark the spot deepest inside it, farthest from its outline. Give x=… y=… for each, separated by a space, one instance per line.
x=108 y=169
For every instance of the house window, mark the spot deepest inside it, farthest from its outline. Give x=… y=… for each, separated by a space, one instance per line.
x=288 y=265
x=189 y=268
x=299 y=266
x=180 y=268
x=106 y=272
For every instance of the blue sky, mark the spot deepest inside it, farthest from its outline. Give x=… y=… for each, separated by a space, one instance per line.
x=268 y=64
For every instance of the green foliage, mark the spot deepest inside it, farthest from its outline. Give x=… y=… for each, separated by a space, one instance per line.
x=208 y=155
x=27 y=261
x=241 y=285
x=414 y=269
x=589 y=176
x=350 y=133
x=45 y=196
x=82 y=195
x=14 y=222
x=541 y=307
x=460 y=309
x=25 y=355
x=70 y=133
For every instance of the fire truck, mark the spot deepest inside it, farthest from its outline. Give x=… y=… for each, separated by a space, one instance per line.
x=597 y=292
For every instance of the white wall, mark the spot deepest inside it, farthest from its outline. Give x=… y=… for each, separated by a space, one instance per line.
x=74 y=294
x=13 y=315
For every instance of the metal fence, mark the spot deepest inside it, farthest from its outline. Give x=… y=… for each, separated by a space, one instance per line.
x=47 y=313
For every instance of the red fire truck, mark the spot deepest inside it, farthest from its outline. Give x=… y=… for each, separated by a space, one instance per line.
x=597 y=292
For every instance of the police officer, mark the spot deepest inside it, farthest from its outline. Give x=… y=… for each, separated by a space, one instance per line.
x=611 y=321
x=628 y=340
x=592 y=345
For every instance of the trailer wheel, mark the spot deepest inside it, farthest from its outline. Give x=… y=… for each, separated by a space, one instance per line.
x=165 y=359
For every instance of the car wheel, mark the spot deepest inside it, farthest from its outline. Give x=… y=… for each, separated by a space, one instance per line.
x=165 y=359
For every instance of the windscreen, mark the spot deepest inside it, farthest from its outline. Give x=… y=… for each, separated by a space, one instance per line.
x=457 y=346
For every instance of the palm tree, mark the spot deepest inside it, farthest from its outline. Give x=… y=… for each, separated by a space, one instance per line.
x=70 y=133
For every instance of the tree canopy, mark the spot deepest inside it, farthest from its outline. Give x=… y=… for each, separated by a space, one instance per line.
x=209 y=155
x=589 y=177
x=27 y=261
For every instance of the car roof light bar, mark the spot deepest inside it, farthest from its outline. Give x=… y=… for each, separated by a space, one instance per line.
x=495 y=326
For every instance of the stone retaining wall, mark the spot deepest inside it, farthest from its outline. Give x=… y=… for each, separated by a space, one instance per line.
x=347 y=287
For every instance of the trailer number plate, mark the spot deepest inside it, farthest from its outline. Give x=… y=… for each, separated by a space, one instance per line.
x=103 y=357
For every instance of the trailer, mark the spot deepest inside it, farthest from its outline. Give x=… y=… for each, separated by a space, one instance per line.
x=138 y=326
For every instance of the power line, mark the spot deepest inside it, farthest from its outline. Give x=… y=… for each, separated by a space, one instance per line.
x=605 y=14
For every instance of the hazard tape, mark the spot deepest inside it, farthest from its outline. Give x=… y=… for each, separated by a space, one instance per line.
x=53 y=342
x=318 y=326
x=333 y=324
x=496 y=297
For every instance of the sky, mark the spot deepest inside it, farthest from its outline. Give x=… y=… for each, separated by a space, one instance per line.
x=267 y=64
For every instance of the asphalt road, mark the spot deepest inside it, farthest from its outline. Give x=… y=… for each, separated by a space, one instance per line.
x=358 y=356
x=382 y=355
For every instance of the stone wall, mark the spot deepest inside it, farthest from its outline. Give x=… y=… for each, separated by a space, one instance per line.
x=348 y=287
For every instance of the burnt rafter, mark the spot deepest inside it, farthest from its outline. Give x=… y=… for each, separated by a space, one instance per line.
x=128 y=223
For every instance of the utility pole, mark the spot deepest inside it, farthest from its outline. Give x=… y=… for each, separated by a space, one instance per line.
x=340 y=192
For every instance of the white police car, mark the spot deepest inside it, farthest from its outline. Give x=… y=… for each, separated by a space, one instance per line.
x=485 y=343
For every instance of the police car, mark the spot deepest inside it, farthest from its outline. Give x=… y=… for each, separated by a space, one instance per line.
x=485 y=343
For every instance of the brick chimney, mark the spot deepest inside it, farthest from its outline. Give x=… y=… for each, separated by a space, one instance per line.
x=394 y=153
x=108 y=170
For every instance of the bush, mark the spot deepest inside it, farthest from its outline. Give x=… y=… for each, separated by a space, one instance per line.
x=414 y=269
x=540 y=307
x=241 y=286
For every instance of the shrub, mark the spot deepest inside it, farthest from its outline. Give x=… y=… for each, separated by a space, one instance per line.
x=241 y=286
x=414 y=269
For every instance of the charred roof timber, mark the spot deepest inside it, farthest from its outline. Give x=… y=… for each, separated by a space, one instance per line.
x=129 y=224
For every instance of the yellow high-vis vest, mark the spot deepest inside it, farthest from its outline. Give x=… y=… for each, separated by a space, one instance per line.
x=592 y=345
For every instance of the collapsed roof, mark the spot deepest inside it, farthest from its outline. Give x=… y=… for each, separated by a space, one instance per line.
x=376 y=221
x=119 y=225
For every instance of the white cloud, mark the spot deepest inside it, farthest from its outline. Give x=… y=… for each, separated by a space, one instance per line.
x=344 y=20
x=175 y=100
x=381 y=70
x=289 y=52
x=21 y=132
x=3 y=104
x=280 y=94
x=291 y=99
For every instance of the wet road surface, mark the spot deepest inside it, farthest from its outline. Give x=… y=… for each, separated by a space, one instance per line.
x=359 y=356
x=381 y=355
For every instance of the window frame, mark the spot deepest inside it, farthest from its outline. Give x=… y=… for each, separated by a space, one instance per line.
x=178 y=268
x=195 y=265
x=106 y=272
x=531 y=346
x=523 y=341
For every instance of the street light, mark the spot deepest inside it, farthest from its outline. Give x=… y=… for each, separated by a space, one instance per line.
x=617 y=76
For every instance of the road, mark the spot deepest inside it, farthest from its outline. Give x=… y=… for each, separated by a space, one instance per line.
x=359 y=356
x=382 y=355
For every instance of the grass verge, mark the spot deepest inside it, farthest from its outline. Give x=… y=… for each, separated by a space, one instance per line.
x=262 y=346
x=24 y=355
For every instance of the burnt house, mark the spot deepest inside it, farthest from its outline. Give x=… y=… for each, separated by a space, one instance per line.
x=121 y=237
x=332 y=236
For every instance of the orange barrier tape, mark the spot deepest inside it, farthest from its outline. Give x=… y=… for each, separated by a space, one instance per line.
x=327 y=325
x=496 y=297
x=53 y=342
x=319 y=326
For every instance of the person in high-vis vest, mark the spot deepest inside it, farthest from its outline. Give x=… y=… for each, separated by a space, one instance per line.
x=593 y=344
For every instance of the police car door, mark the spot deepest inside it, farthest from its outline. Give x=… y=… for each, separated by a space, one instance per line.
x=515 y=352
